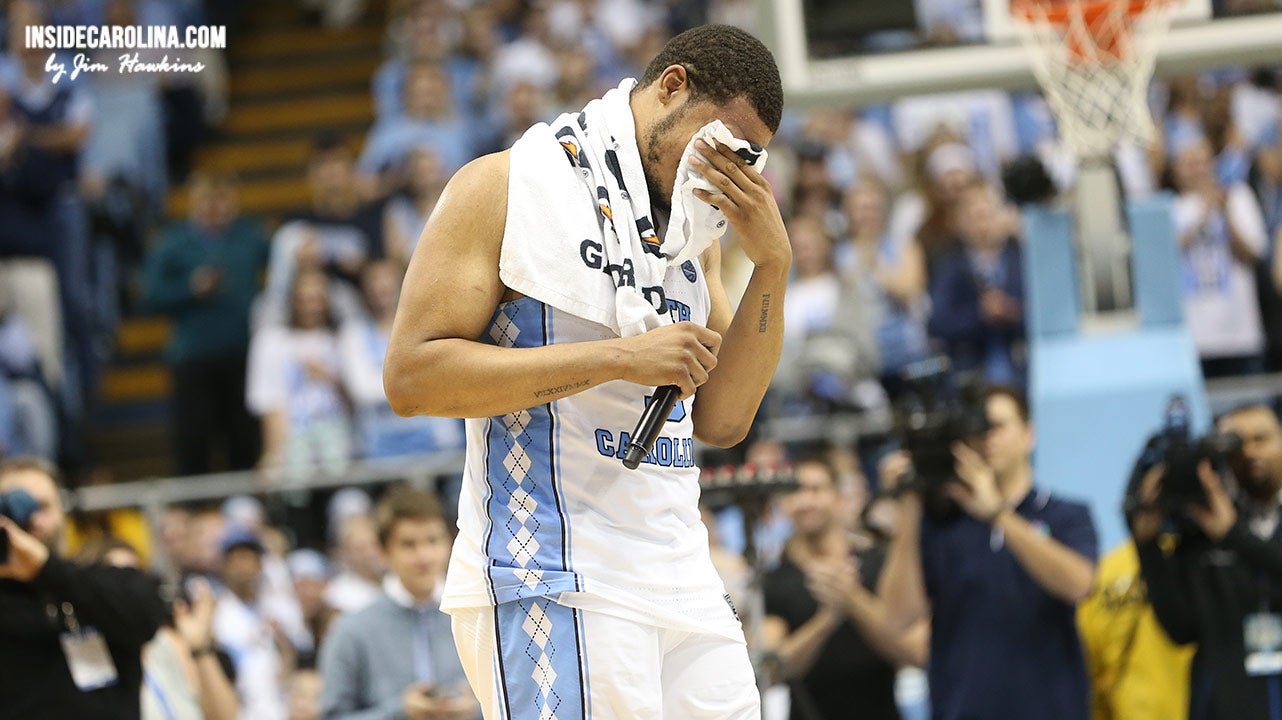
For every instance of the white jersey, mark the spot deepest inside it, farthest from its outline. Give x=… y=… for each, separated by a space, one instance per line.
x=548 y=510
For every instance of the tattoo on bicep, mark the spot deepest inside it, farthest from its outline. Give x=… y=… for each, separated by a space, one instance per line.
x=561 y=388
x=764 y=322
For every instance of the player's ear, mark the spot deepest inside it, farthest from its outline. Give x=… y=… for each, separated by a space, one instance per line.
x=672 y=83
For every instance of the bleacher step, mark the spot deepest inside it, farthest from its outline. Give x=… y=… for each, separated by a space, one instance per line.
x=314 y=113
x=289 y=80
x=313 y=75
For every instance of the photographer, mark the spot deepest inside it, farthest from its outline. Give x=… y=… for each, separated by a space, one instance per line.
x=70 y=637
x=1221 y=584
x=998 y=581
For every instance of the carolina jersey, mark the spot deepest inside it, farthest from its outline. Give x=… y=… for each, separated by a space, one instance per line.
x=548 y=510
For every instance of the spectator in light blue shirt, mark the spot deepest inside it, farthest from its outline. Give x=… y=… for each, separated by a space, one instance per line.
x=396 y=658
x=428 y=119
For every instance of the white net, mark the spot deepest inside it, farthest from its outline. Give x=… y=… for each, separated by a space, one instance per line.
x=1093 y=61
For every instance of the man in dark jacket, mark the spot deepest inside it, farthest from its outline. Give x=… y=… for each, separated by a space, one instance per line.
x=70 y=637
x=977 y=294
x=1221 y=584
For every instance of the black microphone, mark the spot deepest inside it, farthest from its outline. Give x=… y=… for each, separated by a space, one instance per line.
x=651 y=422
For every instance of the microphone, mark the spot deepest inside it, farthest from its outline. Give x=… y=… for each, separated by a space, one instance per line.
x=648 y=427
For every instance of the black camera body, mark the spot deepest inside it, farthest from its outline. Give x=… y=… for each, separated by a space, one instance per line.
x=1176 y=447
x=18 y=506
x=934 y=414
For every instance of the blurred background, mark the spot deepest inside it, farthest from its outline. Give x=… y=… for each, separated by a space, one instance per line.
x=198 y=271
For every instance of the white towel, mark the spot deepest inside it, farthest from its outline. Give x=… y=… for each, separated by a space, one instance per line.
x=579 y=235
x=691 y=217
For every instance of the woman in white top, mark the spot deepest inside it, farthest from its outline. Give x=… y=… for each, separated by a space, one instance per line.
x=1222 y=237
x=363 y=345
x=294 y=383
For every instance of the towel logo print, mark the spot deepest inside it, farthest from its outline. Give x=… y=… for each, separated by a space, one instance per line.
x=603 y=204
x=570 y=144
x=687 y=268
x=650 y=244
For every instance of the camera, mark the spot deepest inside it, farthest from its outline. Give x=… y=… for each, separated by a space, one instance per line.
x=934 y=412
x=18 y=506
x=1181 y=453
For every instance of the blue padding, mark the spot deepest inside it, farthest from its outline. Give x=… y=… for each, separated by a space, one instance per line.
x=1050 y=272
x=1158 y=296
x=1096 y=400
x=1097 y=397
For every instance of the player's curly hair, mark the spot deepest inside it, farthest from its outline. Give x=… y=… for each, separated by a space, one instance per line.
x=724 y=63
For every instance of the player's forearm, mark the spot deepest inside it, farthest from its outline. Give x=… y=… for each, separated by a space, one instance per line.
x=1057 y=569
x=452 y=377
x=727 y=403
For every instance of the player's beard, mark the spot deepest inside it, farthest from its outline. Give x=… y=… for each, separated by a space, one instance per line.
x=650 y=159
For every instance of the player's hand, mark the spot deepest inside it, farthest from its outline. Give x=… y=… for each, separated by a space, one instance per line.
x=1146 y=522
x=747 y=201
x=27 y=555
x=681 y=354
x=1218 y=516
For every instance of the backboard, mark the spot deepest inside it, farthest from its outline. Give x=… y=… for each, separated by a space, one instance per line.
x=888 y=68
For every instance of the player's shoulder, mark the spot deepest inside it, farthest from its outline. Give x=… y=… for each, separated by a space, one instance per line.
x=486 y=174
x=473 y=205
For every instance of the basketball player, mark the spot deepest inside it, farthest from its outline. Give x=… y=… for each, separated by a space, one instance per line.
x=577 y=587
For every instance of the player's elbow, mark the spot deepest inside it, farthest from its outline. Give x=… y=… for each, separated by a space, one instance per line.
x=404 y=394
x=721 y=434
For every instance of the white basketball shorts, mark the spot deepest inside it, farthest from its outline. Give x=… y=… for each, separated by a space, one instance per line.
x=536 y=660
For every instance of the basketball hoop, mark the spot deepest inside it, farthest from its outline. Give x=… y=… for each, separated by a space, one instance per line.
x=1094 y=60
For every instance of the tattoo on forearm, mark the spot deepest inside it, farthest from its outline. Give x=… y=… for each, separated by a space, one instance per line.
x=561 y=388
x=764 y=322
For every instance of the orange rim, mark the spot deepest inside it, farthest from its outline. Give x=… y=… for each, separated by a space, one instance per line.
x=1096 y=42
x=1058 y=13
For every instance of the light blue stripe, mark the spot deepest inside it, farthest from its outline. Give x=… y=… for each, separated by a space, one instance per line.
x=557 y=467
x=539 y=654
x=525 y=547
x=583 y=665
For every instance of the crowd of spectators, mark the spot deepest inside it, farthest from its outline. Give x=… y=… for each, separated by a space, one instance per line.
x=85 y=170
x=905 y=246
